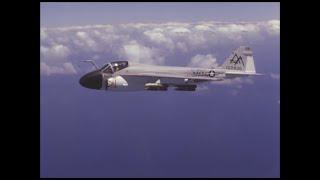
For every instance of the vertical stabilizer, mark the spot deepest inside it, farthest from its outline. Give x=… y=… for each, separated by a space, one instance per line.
x=241 y=60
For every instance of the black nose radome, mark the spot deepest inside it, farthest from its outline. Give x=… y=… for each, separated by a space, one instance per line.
x=92 y=80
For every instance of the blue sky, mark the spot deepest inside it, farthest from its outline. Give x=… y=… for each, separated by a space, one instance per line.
x=222 y=130
x=66 y=14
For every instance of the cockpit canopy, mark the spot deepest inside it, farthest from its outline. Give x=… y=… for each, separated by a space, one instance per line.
x=115 y=66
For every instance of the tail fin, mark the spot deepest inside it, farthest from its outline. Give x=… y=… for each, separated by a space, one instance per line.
x=241 y=60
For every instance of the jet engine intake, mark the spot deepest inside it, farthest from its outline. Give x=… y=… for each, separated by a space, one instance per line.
x=116 y=82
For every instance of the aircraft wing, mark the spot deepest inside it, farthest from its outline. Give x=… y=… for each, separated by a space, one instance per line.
x=176 y=76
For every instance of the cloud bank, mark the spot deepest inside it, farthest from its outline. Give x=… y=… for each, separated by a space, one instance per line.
x=204 y=61
x=185 y=44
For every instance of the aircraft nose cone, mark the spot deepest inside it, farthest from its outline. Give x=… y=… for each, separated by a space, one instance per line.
x=92 y=80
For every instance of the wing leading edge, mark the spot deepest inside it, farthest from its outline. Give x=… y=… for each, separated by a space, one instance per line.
x=175 y=76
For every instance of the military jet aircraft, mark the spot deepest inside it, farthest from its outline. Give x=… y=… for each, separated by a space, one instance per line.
x=127 y=76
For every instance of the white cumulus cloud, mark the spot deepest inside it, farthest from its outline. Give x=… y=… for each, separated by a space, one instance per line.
x=202 y=27
x=86 y=40
x=151 y=43
x=273 y=26
x=56 y=52
x=135 y=52
x=65 y=68
x=68 y=67
x=203 y=61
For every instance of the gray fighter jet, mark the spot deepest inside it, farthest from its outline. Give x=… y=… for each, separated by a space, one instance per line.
x=127 y=76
